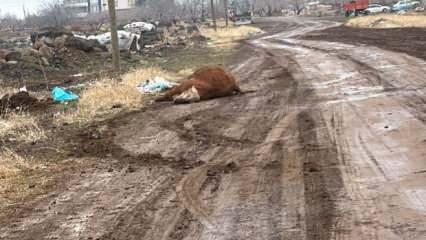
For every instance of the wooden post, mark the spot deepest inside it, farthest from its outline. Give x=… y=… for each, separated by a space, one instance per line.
x=213 y=14
x=114 y=37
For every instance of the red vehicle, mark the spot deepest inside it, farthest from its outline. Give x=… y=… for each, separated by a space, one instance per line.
x=355 y=7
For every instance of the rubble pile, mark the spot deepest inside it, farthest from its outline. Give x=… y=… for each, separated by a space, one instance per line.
x=182 y=34
x=66 y=51
x=171 y=35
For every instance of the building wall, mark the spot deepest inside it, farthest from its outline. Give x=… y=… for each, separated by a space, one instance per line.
x=81 y=7
x=124 y=4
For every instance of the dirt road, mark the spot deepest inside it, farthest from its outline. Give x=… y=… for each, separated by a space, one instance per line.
x=331 y=145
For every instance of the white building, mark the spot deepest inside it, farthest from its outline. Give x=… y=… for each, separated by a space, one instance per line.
x=124 y=4
x=82 y=8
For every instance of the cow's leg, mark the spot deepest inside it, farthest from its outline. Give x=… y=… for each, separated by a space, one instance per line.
x=189 y=96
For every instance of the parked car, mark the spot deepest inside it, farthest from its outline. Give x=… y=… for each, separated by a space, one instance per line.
x=376 y=8
x=241 y=19
x=405 y=5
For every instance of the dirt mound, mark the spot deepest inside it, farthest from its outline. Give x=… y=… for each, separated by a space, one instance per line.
x=18 y=101
x=406 y=40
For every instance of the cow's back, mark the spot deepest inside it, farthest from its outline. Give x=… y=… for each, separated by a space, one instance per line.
x=213 y=82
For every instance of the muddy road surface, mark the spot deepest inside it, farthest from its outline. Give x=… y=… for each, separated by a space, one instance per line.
x=330 y=145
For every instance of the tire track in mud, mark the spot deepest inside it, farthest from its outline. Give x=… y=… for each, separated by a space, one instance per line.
x=322 y=179
x=187 y=192
x=370 y=222
x=413 y=101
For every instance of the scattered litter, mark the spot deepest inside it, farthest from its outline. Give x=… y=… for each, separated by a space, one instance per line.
x=126 y=40
x=77 y=75
x=155 y=85
x=23 y=89
x=62 y=95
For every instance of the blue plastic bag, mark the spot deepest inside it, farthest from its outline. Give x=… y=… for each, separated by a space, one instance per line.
x=62 y=95
x=155 y=85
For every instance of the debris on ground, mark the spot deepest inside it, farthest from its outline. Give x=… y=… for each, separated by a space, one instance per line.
x=137 y=27
x=86 y=45
x=61 y=95
x=155 y=85
x=60 y=53
x=8 y=55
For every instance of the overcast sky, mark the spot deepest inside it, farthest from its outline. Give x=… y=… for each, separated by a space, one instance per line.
x=15 y=6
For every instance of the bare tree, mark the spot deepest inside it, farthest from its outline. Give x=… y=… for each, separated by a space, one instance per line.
x=11 y=22
x=54 y=14
x=225 y=3
x=114 y=36
x=213 y=14
x=298 y=6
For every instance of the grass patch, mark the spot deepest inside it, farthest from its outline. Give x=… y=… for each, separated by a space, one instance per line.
x=104 y=97
x=20 y=178
x=21 y=127
x=228 y=36
x=24 y=178
x=387 y=21
x=182 y=62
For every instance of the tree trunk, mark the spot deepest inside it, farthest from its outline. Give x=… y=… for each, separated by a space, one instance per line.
x=213 y=14
x=99 y=6
x=225 y=3
x=114 y=37
x=203 y=11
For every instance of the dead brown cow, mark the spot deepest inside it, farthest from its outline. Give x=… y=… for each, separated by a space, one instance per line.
x=205 y=83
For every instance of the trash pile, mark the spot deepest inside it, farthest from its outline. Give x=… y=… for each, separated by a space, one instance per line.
x=183 y=34
x=51 y=44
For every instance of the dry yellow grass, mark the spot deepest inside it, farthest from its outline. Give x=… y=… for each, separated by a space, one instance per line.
x=6 y=90
x=98 y=99
x=18 y=178
x=388 y=21
x=135 y=77
x=228 y=35
x=12 y=164
x=23 y=178
x=21 y=126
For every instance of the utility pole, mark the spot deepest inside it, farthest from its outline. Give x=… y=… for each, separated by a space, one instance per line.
x=114 y=36
x=225 y=3
x=213 y=14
